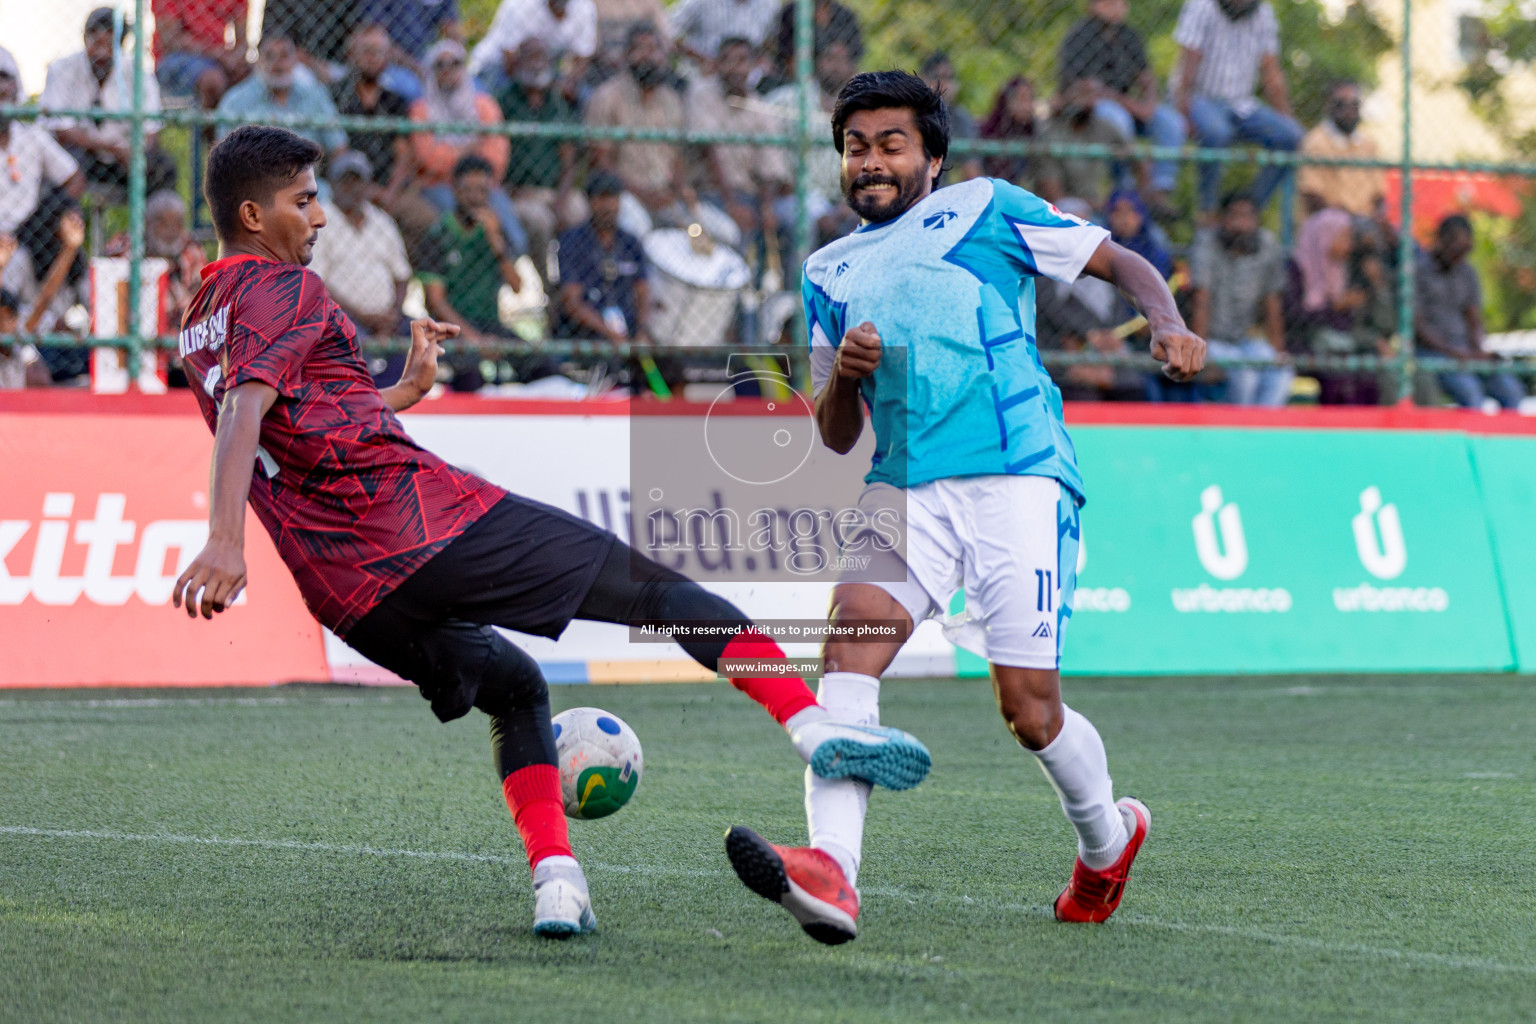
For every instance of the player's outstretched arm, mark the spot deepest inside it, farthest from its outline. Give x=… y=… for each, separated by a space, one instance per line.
x=217 y=575
x=839 y=413
x=420 y=373
x=1181 y=350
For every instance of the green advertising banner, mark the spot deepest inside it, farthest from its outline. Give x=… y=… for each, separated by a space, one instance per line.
x=1506 y=475
x=1247 y=550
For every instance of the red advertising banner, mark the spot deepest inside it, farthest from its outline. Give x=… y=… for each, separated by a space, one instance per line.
x=98 y=516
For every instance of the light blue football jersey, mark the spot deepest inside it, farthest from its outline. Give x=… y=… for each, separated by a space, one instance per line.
x=960 y=390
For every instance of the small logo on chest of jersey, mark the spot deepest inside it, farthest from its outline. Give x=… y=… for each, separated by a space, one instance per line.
x=842 y=268
x=935 y=221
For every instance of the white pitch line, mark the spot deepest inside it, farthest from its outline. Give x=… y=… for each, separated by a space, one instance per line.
x=1402 y=956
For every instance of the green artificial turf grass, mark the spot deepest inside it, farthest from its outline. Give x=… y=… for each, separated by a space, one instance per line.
x=1341 y=848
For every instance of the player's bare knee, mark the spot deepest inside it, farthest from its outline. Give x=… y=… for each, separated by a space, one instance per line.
x=1033 y=722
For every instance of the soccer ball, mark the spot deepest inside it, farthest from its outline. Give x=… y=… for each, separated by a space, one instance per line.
x=600 y=761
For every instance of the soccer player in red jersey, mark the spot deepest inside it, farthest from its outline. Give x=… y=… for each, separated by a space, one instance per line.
x=408 y=559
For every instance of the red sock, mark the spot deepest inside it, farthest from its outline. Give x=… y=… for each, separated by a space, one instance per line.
x=533 y=794
x=782 y=696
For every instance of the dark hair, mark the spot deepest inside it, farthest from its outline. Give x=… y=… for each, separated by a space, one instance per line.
x=734 y=41
x=99 y=20
x=638 y=29
x=470 y=163
x=1452 y=224
x=8 y=300
x=252 y=162
x=604 y=183
x=1341 y=83
x=1238 y=195
x=887 y=90
x=276 y=33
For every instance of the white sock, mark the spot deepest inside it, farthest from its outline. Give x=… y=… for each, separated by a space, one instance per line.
x=835 y=808
x=1075 y=763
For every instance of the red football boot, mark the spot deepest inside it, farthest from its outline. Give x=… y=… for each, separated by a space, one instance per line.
x=804 y=881
x=1092 y=895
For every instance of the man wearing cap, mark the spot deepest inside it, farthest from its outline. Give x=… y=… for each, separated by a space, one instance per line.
x=361 y=256
x=94 y=79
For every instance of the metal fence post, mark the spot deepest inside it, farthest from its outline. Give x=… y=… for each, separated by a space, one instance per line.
x=805 y=81
x=136 y=199
x=1405 y=249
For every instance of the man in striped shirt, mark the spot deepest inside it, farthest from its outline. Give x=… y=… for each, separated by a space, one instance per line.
x=1226 y=48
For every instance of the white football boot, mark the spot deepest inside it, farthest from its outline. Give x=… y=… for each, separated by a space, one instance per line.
x=875 y=753
x=562 y=907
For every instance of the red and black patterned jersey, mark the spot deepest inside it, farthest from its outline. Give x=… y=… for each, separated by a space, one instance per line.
x=352 y=503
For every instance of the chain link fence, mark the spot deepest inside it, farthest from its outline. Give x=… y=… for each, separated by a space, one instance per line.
x=618 y=193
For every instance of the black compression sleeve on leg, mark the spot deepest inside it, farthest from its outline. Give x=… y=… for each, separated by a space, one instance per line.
x=513 y=692
x=631 y=589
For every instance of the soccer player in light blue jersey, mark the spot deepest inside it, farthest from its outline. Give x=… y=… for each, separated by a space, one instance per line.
x=924 y=318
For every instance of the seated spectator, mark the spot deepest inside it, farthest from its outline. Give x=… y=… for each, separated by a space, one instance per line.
x=364 y=93
x=568 y=29
x=1065 y=323
x=320 y=30
x=360 y=254
x=616 y=17
x=1012 y=117
x=1105 y=52
x=412 y=26
x=745 y=181
x=643 y=98
x=21 y=366
x=541 y=171
x=831 y=22
x=1448 y=318
x=166 y=237
x=41 y=304
x=1237 y=272
x=95 y=79
x=702 y=26
x=451 y=95
x=1226 y=46
x=1325 y=312
x=192 y=58
x=280 y=91
x=1130 y=225
x=939 y=73
x=603 y=290
x=835 y=65
x=1358 y=190
x=1082 y=177
x=464 y=263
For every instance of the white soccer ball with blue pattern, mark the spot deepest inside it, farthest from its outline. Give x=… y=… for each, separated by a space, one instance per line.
x=600 y=761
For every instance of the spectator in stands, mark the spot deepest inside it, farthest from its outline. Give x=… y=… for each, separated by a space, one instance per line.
x=365 y=93
x=1066 y=323
x=1325 y=313
x=192 y=57
x=616 y=17
x=1081 y=177
x=831 y=22
x=1012 y=117
x=21 y=366
x=1237 y=271
x=603 y=290
x=94 y=78
x=452 y=96
x=413 y=25
x=1109 y=55
x=1358 y=190
x=1131 y=225
x=745 y=181
x=939 y=72
x=643 y=98
x=835 y=65
x=166 y=237
x=360 y=254
x=1226 y=47
x=320 y=30
x=1448 y=318
x=568 y=29
x=41 y=304
x=278 y=91
x=541 y=172
x=703 y=26
x=465 y=259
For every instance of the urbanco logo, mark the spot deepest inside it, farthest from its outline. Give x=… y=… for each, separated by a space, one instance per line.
x=1219 y=539
x=1379 y=536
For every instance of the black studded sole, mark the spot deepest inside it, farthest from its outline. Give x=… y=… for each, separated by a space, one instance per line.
x=758 y=867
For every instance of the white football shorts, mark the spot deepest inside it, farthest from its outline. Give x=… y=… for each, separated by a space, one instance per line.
x=1009 y=541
